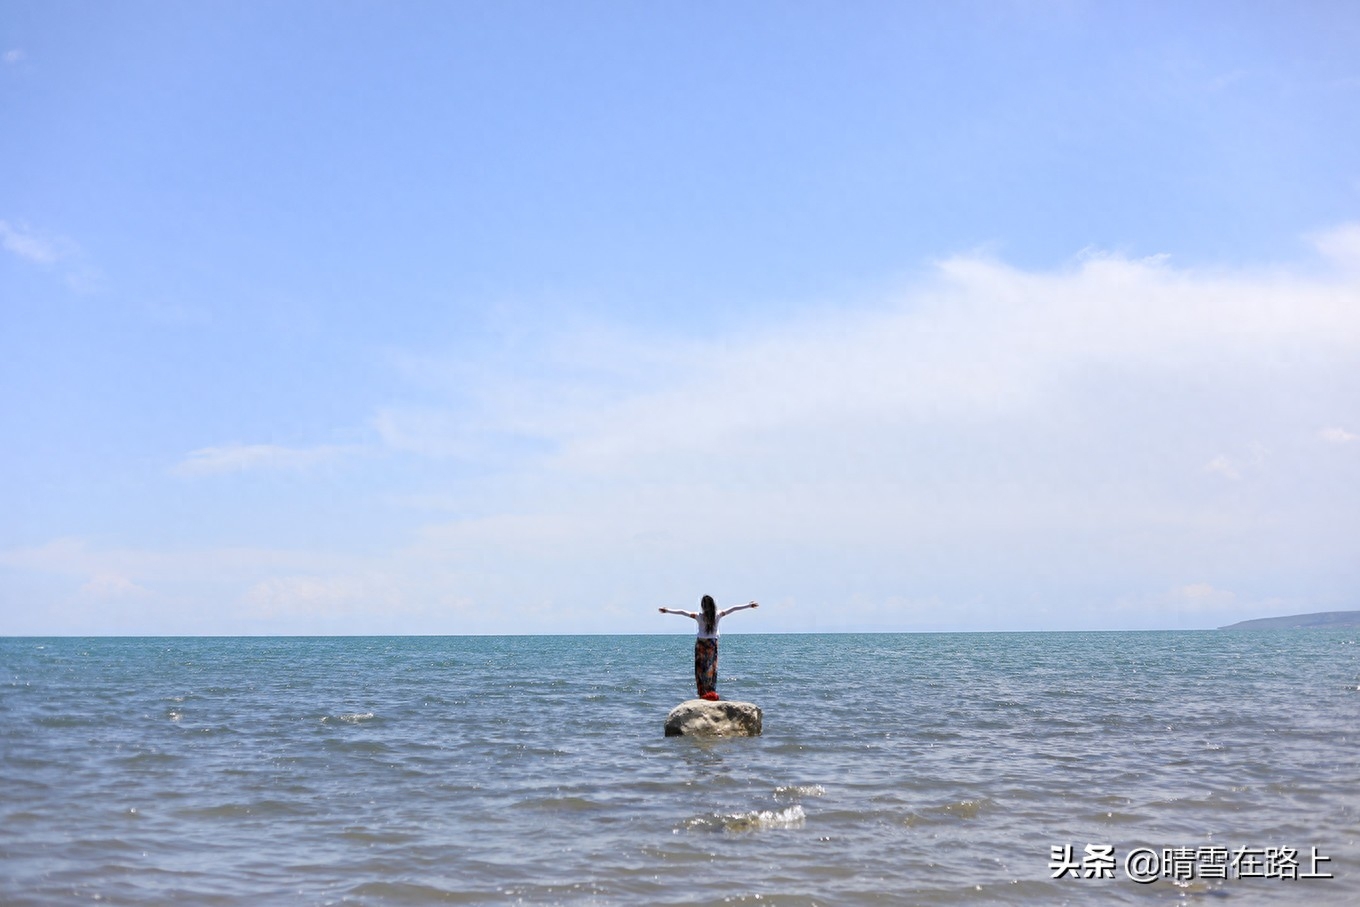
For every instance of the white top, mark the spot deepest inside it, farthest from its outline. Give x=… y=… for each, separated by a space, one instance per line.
x=699 y=618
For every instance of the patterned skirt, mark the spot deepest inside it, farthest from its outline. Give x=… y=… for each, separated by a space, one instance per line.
x=706 y=665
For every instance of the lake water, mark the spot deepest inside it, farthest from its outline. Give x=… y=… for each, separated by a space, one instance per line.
x=894 y=769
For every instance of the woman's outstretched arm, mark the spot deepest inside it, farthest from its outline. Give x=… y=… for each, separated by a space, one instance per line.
x=678 y=611
x=739 y=608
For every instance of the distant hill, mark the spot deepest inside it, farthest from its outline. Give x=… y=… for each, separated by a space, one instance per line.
x=1323 y=620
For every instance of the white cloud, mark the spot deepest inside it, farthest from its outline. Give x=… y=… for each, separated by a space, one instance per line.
x=1340 y=245
x=14 y=55
x=198 y=590
x=112 y=586
x=992 y=447
x=427 y=431
x=1224 y=467
x=52 y=251
x=1203 y=597
x=76 y=557
x=229 y=458
x=231 y=590
x=988 y=421
x=982 y=343
x=29 y=244
x=321 y=596
x=1338 y=436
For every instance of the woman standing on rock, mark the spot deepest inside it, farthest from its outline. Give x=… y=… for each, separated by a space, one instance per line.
x=706 y=643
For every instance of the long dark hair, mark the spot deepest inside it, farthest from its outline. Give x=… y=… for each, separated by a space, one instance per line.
x=710 y=609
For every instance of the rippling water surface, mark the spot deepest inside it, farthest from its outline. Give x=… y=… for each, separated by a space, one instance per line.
x=894 y=769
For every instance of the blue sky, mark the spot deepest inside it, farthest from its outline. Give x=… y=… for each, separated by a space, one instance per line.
x=531 y=317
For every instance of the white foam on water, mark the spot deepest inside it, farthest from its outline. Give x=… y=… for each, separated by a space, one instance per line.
x=790 y=791
x=349 y=717
x=755 y=820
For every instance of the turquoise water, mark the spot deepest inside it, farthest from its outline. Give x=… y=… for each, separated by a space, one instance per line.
x=894 y=769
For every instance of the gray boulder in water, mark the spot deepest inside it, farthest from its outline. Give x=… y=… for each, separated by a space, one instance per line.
x=704 y=718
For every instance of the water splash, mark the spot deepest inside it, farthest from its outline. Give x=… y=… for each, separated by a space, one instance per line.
x=755 y=820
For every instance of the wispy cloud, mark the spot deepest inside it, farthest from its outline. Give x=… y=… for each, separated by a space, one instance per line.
x=112 y=586
x=428 y=431
x=1203 y=597
x=1341 y=245
x=78 y=558
x=989 y=415
x=982 y=343
x=327 y=596
x=54 y=252
x=277 y=589
x=229 y=458
x=166 y=590
x=1338 y=436
x=27 y=243
x=1224 y=467
x=14 y=55
x=990 y=447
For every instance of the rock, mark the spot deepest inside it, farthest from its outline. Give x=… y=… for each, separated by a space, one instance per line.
x=702 y=718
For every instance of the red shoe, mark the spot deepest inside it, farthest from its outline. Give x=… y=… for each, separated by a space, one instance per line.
x=711 y=696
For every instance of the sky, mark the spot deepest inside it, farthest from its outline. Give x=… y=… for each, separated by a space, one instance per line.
x=452 y=318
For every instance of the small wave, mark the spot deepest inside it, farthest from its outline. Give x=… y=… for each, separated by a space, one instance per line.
x=793 y=791
x=257 y=809
x=62 y=721
x=221 y=811
x=756 y=820
x=349 y=717
x=147 y=758
x=964 y=809
x=558 y=804
x=414 y=893
x=1111 y=817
